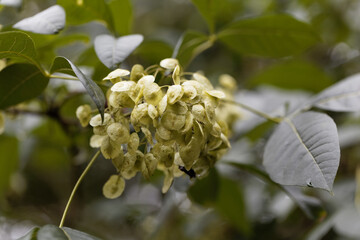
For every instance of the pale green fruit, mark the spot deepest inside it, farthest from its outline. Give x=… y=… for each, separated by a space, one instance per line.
x=173 y=121
x=83 y=113
x=203 y=81
x=116 y=75
x=96 y=141
x=137 y=72
x=198 y=111
x=150 y=165
x=109 y=149
x=168 y=180
x=119 y=161
x=227 y=82
x=147 y=134
x=152 y=93
x=133 y=143
x=118 y=133
x=176 y=75
x=169 y=63
x=114 y=187
x=174 y=93
x=97 y=121
x=164 y=153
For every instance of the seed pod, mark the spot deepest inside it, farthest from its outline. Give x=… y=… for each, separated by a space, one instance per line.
x=96 y=120
x=168 y=180
x=83 y=113
x=164 y=153
x=119 y=161
x=137 y=72
x=227 y=82
x=172 y=121
x=123 y=86
x=152 y=111
x=162 y=105
x=174 y=93
x=201 y=167
x=147 y=134
x=152 y=93
x=198 y=111
x=96 y=141
x=163 y=132
x=150 y=165
x=169 y=63
x=120 y=99
x=189 y=93
x=116 y=75
x=114 y=187
x=139 y=164
x=129 y=161
x=190 y=153
x=176 y=75
x=140 y=114
x=216 y=130
x=189 y=119
x=118 y=133
x=203 y=81
x=133 y=142
x=109 y=149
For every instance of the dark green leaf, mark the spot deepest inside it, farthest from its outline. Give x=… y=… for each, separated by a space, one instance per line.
x=77 y=235
x=341 y=97
x=294 y=75
x=20 y=82
x=190 y=41
x=269 y=36
x=18 y=45
x=123 y=15
x=49 y=232
x=49 y=21
x=79 y=12
x=304 y=151
x=64 y=65
x=31 y=235
x=205 y=191
x=231 y=205
x=9 y=160
x=154 y=51
x=112 y=51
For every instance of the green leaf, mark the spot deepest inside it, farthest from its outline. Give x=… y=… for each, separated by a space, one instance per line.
x=269 y=36
x=154 y=51
x=112 y=51
x=123 y=15
x=231 y=205
x=20 y=82
x=64 y=65
x=341 y=97
x=217 y=12
x=51 y=232
x=79 y=12
x=187 y=47
x=49 y=21
x=18 y=45
x=205 y=191
x=304 y=151
x=293 y=75
x=77 y=235
x=9 y=160
x=31 y=235
x=11 y=3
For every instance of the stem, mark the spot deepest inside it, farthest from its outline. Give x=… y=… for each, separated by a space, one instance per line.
x=250 y=109
x=76 y=187
x=63 y=77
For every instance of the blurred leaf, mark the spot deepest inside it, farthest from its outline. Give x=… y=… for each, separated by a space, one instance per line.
x=11 y=3
x=304 y=151
x=269 y=36
x=230 y=203
x=205 y=191
x=49 y=21
x=77 y=235
x=189 y=42
x=154 y=51
x=347 y=222
x=63 y=65
x=51 y=232
x=84 y=11
x=259 y=131
x=20 y=82
x=341 y=97
x=112 y=51
x=18 y=45
x=123 y=15
x=217 y=12
x=9 y=160
x=31 y=235
x=293 y=75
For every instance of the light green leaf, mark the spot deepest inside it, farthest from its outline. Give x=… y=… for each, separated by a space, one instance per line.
x=293 y=75
x=9 y=160
x=11 y=3
x=18 y=45
x=64 y=65
x=269 y=36
x=20 y=82
x=112 y=51
x=304 y=151
x=49 y=21
x=77 y=235
x=122 y=13
x=51 y=232
x=341 y=97
x=31 y=235
x=79 y=12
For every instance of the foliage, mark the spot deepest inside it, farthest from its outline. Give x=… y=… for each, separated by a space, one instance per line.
x=159 y=115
